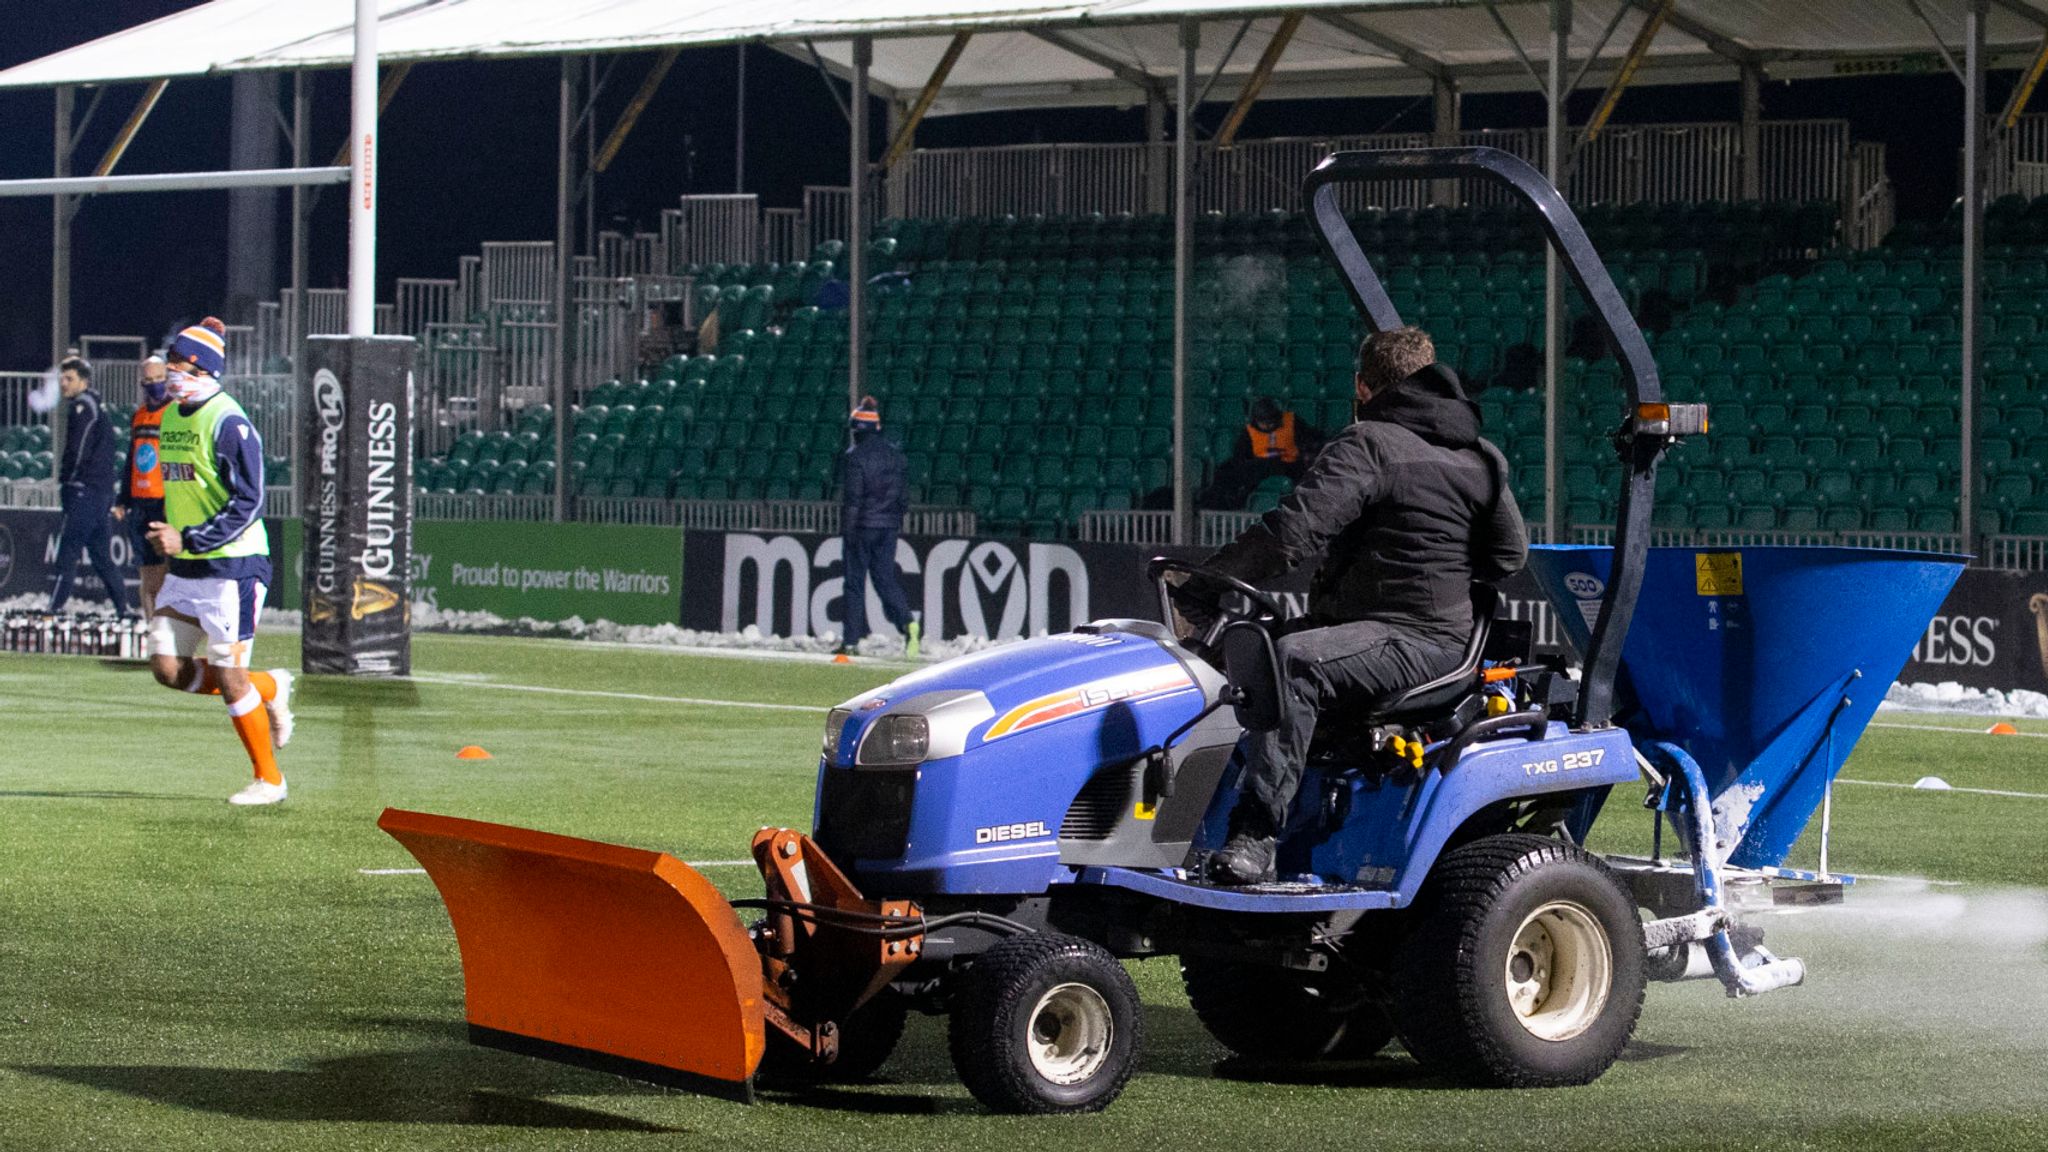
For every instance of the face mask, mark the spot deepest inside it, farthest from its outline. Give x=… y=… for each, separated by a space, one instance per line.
x=155 y=390
x=186 y=385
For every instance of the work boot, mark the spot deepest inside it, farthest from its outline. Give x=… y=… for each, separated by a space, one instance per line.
x=1247 y=856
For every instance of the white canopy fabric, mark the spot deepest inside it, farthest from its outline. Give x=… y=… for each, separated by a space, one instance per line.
x=1075 y=53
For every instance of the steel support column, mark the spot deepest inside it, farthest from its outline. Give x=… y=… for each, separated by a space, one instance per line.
x=856 y=224
x=739 y=120
x=565 y=260
x=1973 y=257
x=60 y=232
x=1183 y=269
x=1554 y=153
x=1446 y=122
x=1751 y=116
x=1155 y=153
x=302 y=211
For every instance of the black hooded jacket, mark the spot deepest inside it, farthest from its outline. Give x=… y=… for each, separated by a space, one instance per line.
x=1409 y=506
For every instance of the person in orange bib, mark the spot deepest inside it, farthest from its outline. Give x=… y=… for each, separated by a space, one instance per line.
x=141 y=502
x=1275 y=442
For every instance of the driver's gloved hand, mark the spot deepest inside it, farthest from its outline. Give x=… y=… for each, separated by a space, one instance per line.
x=1197 y=601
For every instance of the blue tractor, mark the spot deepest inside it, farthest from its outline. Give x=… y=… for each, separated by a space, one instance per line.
x=994 y=834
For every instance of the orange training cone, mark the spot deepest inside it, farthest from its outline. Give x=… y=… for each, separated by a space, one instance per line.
x=842 y=658
x=472 y=752
x=2003 y=729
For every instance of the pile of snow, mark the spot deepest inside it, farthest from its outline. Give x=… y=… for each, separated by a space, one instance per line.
x=1950 y=696
x=428 y=618
x=274 y=619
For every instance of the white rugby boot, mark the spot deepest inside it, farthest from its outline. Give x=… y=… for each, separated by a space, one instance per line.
x=280 y=709
x=259 y=792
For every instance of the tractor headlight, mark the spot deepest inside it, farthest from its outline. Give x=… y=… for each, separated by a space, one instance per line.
x=896 y=741
x=835 y=723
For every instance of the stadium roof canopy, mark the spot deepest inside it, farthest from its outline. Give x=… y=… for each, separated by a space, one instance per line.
x=1042 y=53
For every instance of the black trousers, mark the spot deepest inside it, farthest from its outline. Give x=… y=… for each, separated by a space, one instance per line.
x=1321 y=668
x=870 y=554
x=87 y=529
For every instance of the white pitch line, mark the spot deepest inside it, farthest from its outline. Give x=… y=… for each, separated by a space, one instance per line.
x=696 y=700
x=1973 y=791
x=1955 y=730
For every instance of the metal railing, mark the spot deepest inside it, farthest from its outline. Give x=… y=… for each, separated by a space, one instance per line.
x=459 y=371
x=28 y=494
x=608 y=324
x=1124 y=526
x=826 y=212
x=783 y=235
x=1152 y=529
x=423 y=302
x=815 y=516
x=526 y=364
x=517 y=272
x=478 y=506
x=712 y=230
x=1660 y=163
x=1759 y=537
x=2017 y=553
x=1873 y=208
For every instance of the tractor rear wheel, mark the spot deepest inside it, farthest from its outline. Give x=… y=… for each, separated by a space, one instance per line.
x=1524 y=968
x=1265 y=1013
x=1046 y=1023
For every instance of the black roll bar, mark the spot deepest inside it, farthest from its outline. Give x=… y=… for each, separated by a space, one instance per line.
x=1644 y=436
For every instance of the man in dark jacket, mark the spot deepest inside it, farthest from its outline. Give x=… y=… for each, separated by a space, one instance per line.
x=1409 y=506
x=873 y=499
x=86 y=488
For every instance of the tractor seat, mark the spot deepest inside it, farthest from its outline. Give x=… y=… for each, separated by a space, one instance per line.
x=1438 y=695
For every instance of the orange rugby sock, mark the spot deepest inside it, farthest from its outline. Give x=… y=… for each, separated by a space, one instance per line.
x=252 y=724
x=265 y=685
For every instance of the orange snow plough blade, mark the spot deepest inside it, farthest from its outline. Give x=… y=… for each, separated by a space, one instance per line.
x=613 y=958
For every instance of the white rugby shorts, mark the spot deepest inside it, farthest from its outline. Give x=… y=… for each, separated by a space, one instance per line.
x=226 y=609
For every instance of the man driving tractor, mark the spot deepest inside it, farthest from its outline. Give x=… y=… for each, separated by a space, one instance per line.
x=1410 y=506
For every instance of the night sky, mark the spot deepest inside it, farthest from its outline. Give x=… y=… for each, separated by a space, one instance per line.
x=467 y=153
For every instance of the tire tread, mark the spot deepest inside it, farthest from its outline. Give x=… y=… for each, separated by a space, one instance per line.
x=1439 y=1015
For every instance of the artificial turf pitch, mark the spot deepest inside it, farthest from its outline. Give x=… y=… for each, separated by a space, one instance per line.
x=176 y=973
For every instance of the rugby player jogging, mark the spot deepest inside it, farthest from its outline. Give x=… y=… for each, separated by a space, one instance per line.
x=219 y=557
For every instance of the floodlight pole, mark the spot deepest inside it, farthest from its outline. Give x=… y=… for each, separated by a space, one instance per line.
x=362 y=188
x=60 y=233
x=1554 y=153
x=1973 y=254
x=1183 y=261
x=856 y=224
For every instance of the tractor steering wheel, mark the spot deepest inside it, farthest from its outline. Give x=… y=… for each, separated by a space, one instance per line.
x=1265 y=609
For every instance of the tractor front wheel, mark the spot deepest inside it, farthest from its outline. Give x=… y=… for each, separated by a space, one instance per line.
x=866 y=1038
x=1268 y=1013
x=1525 y=967
x=1046 y=1023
